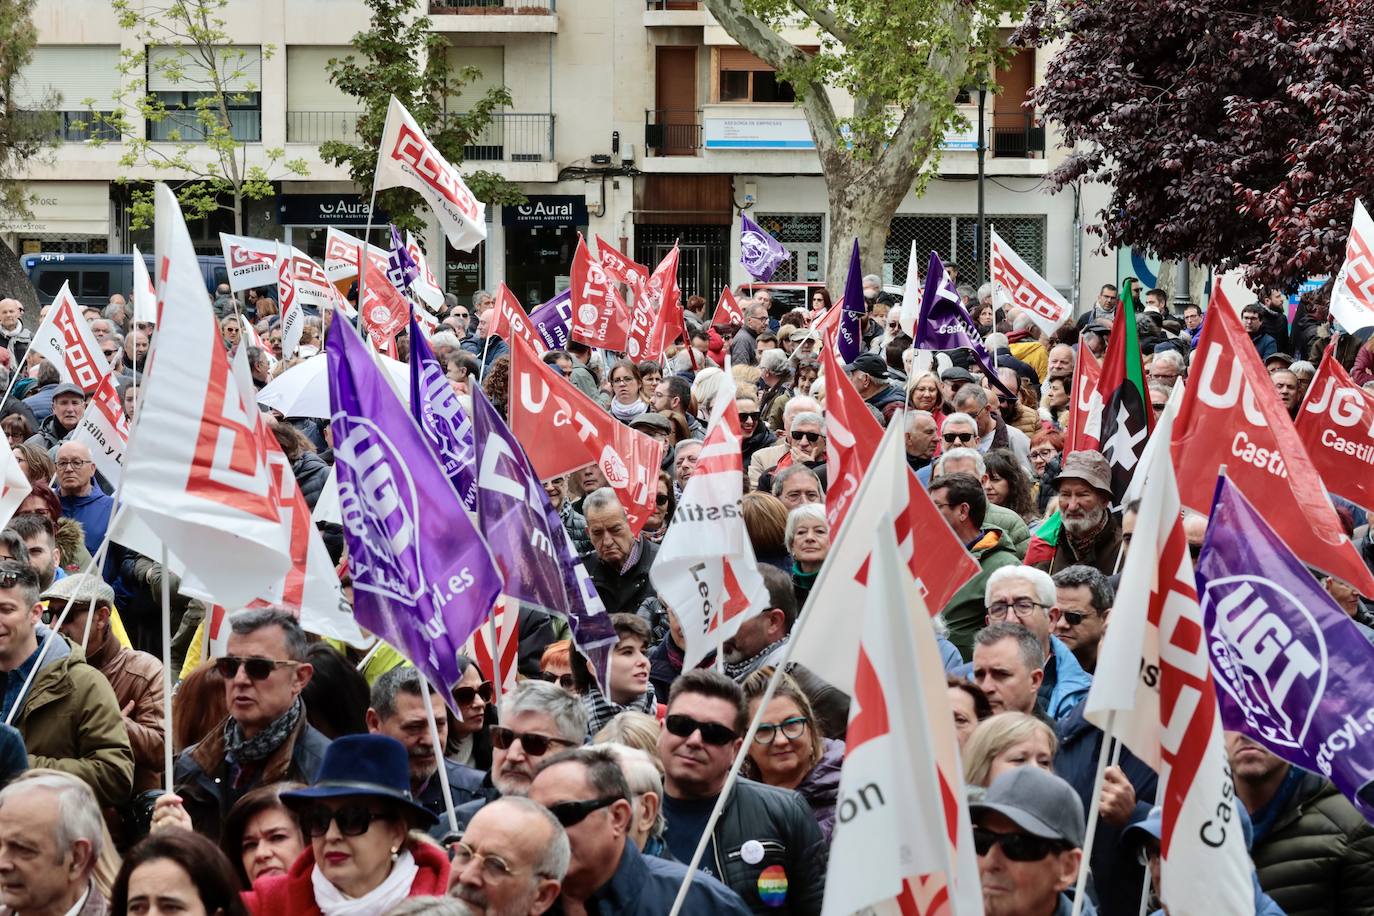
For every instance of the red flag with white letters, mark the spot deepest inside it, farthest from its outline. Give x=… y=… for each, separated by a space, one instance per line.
x=1336 y=424
x=727 y=310
x=600 y=317
x=1232 y=416
x=1085 y=405
x=665 y=299
x=510 y=321
x=385 y=312
x=561 y=429
x=620 y=268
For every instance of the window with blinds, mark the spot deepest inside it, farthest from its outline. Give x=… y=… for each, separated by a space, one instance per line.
x=743 y=77
x=492 y=63
x=68 y=83
x=316 y=109
x=181 y=80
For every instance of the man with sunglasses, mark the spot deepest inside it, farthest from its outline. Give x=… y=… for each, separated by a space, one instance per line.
x=993 y=431
x=266 y=737
x=760 y=829
x=869 y=374
x=68 y=715
x=511 y=860
x=1085 y=598
x=957 y=433
x=538 y=719
x=586 y=791
x=397 y=710
x=806 y=447
x=766 y=459
x=1028 y=833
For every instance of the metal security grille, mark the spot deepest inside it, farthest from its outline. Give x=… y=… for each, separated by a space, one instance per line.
x=800 y=233
x=703 y=255
x=954 y=238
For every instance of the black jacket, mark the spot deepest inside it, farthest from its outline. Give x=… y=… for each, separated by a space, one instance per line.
x=465 y=785
x=1275 y=323
x=781 y=821
x=311 y=473
x=647 y=886
x=623 y=594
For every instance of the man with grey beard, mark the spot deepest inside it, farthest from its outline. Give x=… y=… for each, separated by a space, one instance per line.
x=1091 y=535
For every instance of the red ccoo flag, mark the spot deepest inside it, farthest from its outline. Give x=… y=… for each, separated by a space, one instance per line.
x=1232 y=415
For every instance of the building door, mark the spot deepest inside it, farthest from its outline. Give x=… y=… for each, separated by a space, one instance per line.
x=675 y=100
x=1011 y=123
x=703 y=267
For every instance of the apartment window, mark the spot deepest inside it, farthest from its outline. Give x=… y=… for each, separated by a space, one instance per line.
x=316 y=109
x=66 y=85
x=742 y=77
x=188 y=83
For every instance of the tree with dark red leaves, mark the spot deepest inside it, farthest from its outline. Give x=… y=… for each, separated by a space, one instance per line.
x=1234 y=132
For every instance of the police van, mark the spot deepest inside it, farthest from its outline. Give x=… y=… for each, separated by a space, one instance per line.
x=94 y=278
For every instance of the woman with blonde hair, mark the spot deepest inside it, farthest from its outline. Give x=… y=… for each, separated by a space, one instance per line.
x=1005 y=741
x=788 y=749
x=631 y=728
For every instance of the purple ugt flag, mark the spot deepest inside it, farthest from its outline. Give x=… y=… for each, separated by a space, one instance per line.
x=553 y=319
x=441 y=418
x=759 y=252
x=423 y=579
x=401 y=268
x=1291 y=667
x=852 y=311
x=944 y=324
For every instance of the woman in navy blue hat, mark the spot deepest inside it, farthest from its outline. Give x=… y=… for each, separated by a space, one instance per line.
x=362 y=858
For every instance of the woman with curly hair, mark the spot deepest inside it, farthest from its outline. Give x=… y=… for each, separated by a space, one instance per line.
x=496 y=385
x=1007 y=484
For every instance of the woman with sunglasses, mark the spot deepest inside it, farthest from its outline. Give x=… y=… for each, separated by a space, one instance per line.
x=469 y=738
x=808 y=540
x=627 y=391
x=753 y=431
x=555 y=665
x=788 y=751
x=665 y=504
x=358 y=816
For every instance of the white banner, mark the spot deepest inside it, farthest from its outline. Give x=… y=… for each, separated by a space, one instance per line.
x=105 y=430
x=1352 y=297
x=250 y=262
x=145 y=297
x=1014 y=282
x=64 y=339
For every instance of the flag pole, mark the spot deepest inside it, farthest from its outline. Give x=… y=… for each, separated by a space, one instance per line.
x=14 y=378
x=371 y=653
x=1080 y=888
x=496 y=647
x=439 y=760
x=167 y=760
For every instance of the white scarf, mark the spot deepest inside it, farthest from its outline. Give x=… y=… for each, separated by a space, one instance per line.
x=396 y=887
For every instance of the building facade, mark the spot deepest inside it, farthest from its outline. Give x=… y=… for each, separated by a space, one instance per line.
x=638 y=121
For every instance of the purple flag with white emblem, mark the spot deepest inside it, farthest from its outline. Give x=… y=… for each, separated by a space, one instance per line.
x=441 y=418
x=553 y=319
x=423 y=579
x=401 y=268
x=759 y=252
x=944 y=323
x=1291 y=667
x=849 y=330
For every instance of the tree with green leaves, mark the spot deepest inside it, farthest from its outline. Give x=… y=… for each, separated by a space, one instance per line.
x=195 y=145
x=25 y=136
x=902 y=64
x=385 y=65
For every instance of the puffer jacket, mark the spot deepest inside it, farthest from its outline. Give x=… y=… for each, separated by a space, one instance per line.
x=202 y=777
x=821 y=786
x=1317 y=859
x=965 y=612
x=70 y=721
x=311 y=474
x=781 y=822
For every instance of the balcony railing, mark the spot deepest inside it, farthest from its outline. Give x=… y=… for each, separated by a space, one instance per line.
x=493 y=7
x=513 y=137
x=673 y=131
x=672 y=4
x=69 y=126
x=1016 y=136
x=319 y=126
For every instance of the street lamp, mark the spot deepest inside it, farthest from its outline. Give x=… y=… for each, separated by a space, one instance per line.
x=982 y=160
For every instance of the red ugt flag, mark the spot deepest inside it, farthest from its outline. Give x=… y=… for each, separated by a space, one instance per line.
x=1336 y=424
x=600 y=318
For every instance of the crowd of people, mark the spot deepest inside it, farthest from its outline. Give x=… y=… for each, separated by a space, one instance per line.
x=307 y=778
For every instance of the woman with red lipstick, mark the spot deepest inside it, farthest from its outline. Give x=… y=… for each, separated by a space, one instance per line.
x=357 y=817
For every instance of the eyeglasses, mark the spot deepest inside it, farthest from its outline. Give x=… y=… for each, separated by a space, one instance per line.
x=466 y=695
x=72 y=463
x=951 y=438
x=1074 y=618
x=749 y=416
x=353 y=820
x=1019 y=847
x=533 y=744
x=572 y=813
x=798 y=435
x=1046 y=454
x=256 y=667
x=793 y=728
x=711 y=732
x=562 y=680
x=1022 y=607
x=494 y=867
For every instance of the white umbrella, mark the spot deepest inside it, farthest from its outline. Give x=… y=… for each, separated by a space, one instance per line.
x=303 y=390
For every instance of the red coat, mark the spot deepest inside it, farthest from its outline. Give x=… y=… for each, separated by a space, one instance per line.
x=291 y=894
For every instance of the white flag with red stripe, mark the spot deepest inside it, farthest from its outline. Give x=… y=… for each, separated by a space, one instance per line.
x=1352 y=297
x=705 y=570
x=64 y=339
x=196 y=472
x=14 y=486
x=251 y=262
x=506 y=619
x=145 y=297
x=1014 y=282
x=907 y=846
x=406 y=158
x=1154 y=692
x=105 y=429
